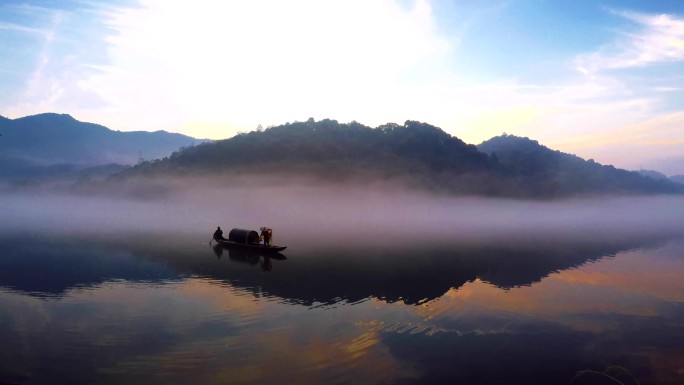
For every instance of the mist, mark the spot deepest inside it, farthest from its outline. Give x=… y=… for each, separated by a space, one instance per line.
x=315 y=214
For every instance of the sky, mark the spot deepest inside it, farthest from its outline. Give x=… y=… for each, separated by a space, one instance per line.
x=600 y=79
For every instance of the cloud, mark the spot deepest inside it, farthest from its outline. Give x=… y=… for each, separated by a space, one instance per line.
x=22 y=28
x=659 y=39
x=268 y=59
x=54 y=59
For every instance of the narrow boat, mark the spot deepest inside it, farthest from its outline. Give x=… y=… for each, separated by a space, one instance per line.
x=247 y=240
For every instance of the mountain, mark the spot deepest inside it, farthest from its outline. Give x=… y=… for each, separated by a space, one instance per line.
x=546 y=172
x=416 y=153
x=30 y=144
x=677 y=178
x=328 y=143
x=653 y=174
x=335 y=151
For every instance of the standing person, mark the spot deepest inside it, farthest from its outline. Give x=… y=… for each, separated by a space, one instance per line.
x=218 y=234
x=266 y=233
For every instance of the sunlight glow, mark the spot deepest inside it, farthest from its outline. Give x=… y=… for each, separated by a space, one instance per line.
x=269 y=62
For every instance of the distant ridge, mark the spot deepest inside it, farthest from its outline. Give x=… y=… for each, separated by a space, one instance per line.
x=421 y=155
x=547 y=172
x=653 y=174
x=30 y=144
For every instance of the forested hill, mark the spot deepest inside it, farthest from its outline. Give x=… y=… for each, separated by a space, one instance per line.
x=417 y=153
x=547 y=172
x=413 y=146
x=329 y=150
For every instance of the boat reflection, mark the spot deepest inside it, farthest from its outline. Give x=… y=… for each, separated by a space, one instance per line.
x=251 y=257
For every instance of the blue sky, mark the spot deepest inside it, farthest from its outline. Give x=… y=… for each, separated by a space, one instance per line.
x=600 y=79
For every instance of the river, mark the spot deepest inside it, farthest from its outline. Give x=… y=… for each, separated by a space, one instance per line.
x=142 y=308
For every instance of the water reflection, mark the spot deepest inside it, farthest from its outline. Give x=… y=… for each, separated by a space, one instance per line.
x=252 y=257
x=51 y=267
x=412 y=275
x=135 y=310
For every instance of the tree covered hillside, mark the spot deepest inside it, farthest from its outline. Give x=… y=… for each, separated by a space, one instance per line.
x=333 y=150
x=545 y=172
x=417 y=153
x=328 y=143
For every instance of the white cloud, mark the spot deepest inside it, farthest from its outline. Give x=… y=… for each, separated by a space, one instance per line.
x=211 y=69
x=269 y=62
x=22 y=28
x=660 y=39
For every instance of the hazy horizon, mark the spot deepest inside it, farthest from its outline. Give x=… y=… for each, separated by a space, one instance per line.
x=305 y=212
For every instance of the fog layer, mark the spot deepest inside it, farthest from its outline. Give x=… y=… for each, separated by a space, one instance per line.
x=327 y=214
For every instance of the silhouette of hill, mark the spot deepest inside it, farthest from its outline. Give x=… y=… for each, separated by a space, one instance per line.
x=32 y=144
x=326 y=145
x=653 y=174
x=415 y=152
x=677 y=178
x=545 y=172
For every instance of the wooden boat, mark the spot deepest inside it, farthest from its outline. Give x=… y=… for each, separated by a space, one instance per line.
x=250 y=246
x=247 y=240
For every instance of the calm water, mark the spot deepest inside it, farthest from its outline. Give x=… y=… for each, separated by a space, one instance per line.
x=147 y=309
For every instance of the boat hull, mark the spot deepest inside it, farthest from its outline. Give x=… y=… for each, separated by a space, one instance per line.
x=250 y=246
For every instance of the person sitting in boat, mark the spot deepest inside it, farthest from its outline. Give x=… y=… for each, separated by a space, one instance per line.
x=266 y=234
x=218 y=234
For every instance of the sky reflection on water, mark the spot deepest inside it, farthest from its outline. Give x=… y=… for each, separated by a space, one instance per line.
x=131 y=309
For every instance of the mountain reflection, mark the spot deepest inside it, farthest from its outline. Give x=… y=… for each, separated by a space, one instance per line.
x=412 y=275
x=52 y=267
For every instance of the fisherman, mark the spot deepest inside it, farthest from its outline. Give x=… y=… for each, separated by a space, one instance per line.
x=266 y=234
x=218 y=234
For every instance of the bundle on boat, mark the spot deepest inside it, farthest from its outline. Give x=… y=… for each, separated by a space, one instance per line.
x=243 y=236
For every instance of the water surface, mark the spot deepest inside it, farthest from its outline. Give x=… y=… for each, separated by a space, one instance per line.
x=140 y=308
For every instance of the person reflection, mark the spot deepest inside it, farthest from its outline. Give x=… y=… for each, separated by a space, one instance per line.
x=266 y=264
x=218 y=251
